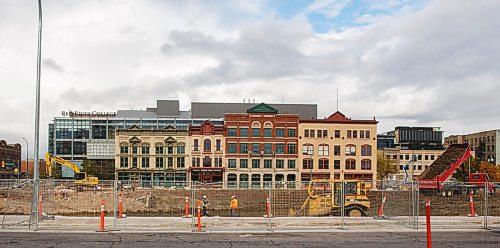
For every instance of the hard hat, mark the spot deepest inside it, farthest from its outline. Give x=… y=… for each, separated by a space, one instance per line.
x=233 y=196
x=204 y=196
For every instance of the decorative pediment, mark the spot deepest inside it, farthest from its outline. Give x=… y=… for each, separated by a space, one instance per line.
x=262 y=108
x=170 y=128
x=170 y=140
x=337 y=116
x=134 y=140
x=134 y=127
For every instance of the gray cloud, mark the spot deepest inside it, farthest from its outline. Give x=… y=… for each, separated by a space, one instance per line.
x=52 y=65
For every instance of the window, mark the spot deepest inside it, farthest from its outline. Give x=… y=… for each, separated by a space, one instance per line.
x=361 y=134
x=145 y=149
x=159 y=149
x=337 y=134
x=280 y=163
x=419 y=167
x=217 y=144
x=244 y=132
x=170 y=150
x=231 y=180
x=336 y=150
x=244 y=148
x=145 y=162
x=312 y=133
x=256 y=148
x=432 y=157
x=323 y=150
x=231 y=132
x=350 y=150
x=325 y=133
x=419 y=156
x=198 y=162
x=195 y=145
x=268 y=163
x=336 y=164
x=323 y=164
x=280 y=148
x=320 y=133
x=349 y=134
x=307 y=149
x=193 y=162
x=307 y=164
x=231 y=148
x=407 y=157
x=123 y=162
x=159 y=162
x=291 y=133
x=244 y=181
x=135 y=149
x=255 y=132
x=256 y=181
x=350 y=164
x=366 y=150
x=400 y=157
x=243 y=163
x=292 y=148
x=268 y=148
x=123 y=149
x=268 y=132
x=170 y=162
x=367 y=134
x=231 y=163
x=366 y=164
x=255 y=163
x=306 y=133
x=280 y=132
x=291 y=164
x=220 y=162
x=180 y=162
x=207 y=145
x=354 y=134
x=401 y=167
x=181 y=148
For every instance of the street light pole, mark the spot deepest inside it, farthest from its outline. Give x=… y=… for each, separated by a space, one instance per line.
x=27 y=153
x=34 y=202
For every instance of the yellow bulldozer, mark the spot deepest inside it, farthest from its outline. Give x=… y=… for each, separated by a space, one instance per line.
x=325 y=198
x=81 y=178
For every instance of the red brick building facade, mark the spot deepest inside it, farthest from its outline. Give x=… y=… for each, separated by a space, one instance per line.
x=261 y=146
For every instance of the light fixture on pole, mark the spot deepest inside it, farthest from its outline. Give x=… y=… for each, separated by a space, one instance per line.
x=27 y=154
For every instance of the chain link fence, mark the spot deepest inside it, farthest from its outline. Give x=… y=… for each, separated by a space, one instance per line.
x=268 y=206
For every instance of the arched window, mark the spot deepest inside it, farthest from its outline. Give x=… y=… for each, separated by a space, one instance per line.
x=256 y=181
x=323 y=150
x=366 y=150
x=350 y=164
x=366 y=164
x=207 y=145
x=145 y=148
x=307 y=149
x=231 y=180
x=350 y=150
x=123 y=148
x=244 y=181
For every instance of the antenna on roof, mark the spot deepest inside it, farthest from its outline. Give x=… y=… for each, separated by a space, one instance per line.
x=337 y=99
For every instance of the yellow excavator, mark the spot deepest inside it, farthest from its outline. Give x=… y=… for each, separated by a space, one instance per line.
x=325 y=198
x=81 y=177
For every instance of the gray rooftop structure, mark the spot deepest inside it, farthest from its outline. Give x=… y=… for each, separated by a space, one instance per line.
x=218 y=110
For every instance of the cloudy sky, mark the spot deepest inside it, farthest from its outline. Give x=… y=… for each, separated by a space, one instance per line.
x=426 y=63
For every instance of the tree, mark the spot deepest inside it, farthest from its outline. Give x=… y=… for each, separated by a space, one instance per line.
x=103 y=169
x=385 y=167
x=490 y=169
x=476 y=165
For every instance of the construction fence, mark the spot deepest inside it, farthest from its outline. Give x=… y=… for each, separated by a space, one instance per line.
x=271 y=206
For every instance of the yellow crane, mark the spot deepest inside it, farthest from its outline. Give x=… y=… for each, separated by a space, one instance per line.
x=81 y=177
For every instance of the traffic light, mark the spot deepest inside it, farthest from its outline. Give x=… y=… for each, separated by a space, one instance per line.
x=3 y=164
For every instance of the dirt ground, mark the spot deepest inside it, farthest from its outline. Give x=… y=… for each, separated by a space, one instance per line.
x=252 y=202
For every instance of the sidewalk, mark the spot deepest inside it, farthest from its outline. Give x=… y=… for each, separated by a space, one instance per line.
x=246 y=224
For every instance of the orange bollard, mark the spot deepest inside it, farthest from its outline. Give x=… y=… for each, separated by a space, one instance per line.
x=428 y=220
x=40 y=204
x=199 y=218
x=187 y=205
x=471 y=200
x=102 y=215
x=120 y=207
x=268 y=207
x=381 y=210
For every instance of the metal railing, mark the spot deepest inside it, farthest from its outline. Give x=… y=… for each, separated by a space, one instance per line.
x=269 y=207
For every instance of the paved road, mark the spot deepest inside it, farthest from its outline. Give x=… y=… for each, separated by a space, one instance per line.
x=288 y=240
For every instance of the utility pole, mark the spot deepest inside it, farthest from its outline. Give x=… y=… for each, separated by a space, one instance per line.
x=34 y=202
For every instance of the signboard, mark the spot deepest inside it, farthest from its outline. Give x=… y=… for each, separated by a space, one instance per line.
x=87 y=114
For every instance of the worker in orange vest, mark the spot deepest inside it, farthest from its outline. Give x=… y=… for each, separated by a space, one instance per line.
x=233 y=207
